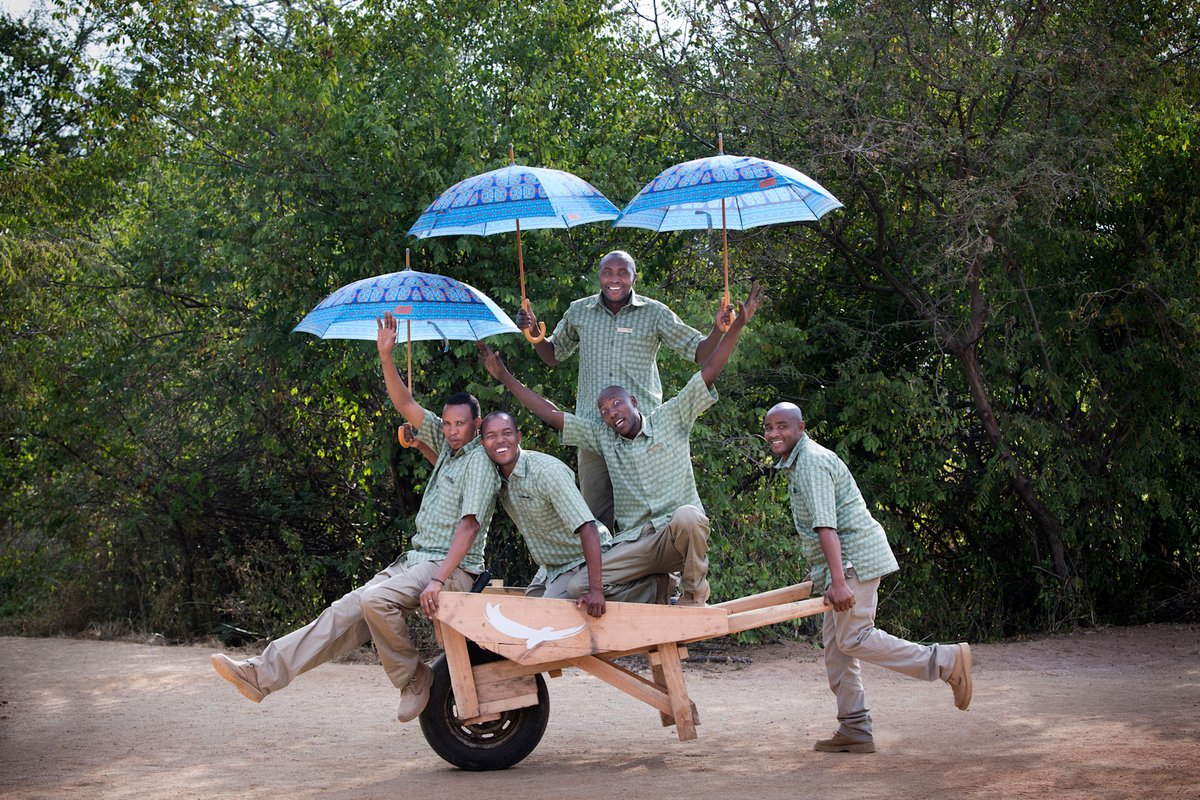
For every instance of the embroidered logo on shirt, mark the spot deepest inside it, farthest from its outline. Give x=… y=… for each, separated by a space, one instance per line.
x=654 y=449
x=624 y=330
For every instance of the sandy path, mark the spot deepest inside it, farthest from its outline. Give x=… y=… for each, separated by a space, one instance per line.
x=1109 y=714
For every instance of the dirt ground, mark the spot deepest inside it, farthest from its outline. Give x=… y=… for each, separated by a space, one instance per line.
x=1105 y=714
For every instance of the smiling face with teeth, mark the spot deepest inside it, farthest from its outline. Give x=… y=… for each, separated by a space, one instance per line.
x=618 y=410
x=501 y=440
x=783 y=427
x=618 y=274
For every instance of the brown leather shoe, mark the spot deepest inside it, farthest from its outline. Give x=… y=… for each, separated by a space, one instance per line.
x=840 y=743
x=415 y=694
x=241 y=674
x=960 y=677
x=696 y=598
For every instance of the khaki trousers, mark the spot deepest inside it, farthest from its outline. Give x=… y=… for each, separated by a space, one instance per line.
x=374 y=611
x=644 y=590
x=681 y=546
x=596 y=487
x=851 y=637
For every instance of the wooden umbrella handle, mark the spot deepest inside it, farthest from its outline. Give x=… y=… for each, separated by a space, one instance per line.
x=533 y=338
x=400 y=430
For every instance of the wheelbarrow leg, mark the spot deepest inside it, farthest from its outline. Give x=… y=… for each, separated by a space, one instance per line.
x=660 y=680
x=672 y=677
x=461 y=676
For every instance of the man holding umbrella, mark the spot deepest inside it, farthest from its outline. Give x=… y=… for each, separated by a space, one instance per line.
x=618 y=334
x=663 y=527
x=446 y=549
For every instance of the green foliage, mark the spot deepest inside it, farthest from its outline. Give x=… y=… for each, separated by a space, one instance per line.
x=998 y=332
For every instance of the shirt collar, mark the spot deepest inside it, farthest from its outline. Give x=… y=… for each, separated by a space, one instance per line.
x=597 y=300
x=801 y=443
x=521 y=469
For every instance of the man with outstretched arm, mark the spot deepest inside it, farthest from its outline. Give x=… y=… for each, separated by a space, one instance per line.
x=662 y=521
x=446 y=552
x=618 y=334
x=849 y=553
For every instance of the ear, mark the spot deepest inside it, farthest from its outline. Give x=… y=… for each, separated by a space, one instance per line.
x=633 y=400
x=518 y=437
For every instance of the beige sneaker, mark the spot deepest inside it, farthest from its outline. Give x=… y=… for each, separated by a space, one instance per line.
x=415 y=695
x=695 y=598
x=241 y=674
x=960 y=677
x=840 y=743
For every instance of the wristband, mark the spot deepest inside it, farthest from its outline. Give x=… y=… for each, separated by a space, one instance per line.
x=439 y=580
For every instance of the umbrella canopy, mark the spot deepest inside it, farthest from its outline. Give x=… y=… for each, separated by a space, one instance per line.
x=744 y=192
x=496 y=201
x=436 y=307
x=757 y=192
x=507 y=199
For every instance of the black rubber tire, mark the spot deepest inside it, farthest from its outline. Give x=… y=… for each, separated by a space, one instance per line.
x=492 y=745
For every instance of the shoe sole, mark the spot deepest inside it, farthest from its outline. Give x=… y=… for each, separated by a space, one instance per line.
x=964 y=653
x=425 y=670
x=243 y=686
x=865 y=747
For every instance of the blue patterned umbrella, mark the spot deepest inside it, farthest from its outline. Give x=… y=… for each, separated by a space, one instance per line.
x=433 y=306
x=436 y=307
x=507 y=199
x=746 y=192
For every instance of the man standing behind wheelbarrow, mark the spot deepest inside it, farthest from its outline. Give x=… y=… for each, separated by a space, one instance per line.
x=447 y=552
x=662 y=522
x=849 y=554
x=618 y=334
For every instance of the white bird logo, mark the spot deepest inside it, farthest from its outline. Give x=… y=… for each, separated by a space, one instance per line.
x=532 y=636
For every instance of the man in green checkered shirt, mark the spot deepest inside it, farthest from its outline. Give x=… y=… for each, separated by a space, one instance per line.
x=618 y=334
x=663 y=527
x=446 y=551
x=849 y=554
x=564 y=539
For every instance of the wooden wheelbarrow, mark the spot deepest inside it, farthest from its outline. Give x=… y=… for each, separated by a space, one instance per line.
x=488 y=705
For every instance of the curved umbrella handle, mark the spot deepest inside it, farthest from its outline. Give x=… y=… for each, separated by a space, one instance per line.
x=531 y=337
x=400 y=437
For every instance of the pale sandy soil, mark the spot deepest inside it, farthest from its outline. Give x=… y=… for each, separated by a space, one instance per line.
x=1108 y=714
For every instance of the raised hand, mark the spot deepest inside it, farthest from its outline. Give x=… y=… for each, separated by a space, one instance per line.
x=527 y=320
x=492 y=361
x=725 y=317
x=385 y=334
x=747 y=309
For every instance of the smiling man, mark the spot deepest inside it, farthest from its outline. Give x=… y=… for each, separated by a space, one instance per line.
x=663 y=527
x=538 y=492
x=618 y=334
x=850 y=554
x=446 y=552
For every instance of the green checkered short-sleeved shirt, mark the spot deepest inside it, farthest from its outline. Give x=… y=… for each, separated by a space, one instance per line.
x=462 y=484
x=620 y=349
x=651 y=473
x=541 y=498
x=824 y=495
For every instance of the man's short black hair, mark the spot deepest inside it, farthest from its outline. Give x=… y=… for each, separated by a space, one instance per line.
x=464 y=399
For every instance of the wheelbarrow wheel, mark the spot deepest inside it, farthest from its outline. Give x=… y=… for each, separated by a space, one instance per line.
x=490 y=745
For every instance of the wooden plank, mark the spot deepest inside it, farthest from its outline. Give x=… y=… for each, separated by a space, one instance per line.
x=681 y=704
x=534 y=630
x=757 y=618
x=788 y=594
x=493 y=691
x=508 y=704
x=461 y=678
x=628 y=682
